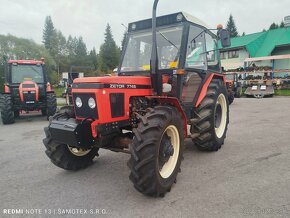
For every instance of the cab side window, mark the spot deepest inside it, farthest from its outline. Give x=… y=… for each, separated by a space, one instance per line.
x=211 y=49
x=195 y=56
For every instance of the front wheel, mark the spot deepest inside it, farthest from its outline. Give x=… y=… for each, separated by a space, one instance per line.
x=67 y=157
x=211 y=118
x=6 y=109
x=157 y=151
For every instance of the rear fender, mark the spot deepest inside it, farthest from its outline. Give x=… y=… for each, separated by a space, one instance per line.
x=172 y=102
x=206 y=84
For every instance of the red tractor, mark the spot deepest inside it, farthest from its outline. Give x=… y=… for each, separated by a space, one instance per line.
x=234 y=87
x=169 y=78
x=26 y=89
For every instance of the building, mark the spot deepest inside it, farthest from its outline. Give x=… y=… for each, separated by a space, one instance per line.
x=257 y=45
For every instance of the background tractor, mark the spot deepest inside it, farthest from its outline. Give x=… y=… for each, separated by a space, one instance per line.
x=234 y=87
x=169 y=79
x=26 y=88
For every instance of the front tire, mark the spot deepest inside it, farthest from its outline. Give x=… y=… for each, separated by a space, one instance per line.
x=157 y=151
x=6 y=108
x=211 y=118
x=65 y=156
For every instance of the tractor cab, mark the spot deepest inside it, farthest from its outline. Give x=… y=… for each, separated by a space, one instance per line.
x=183 y=42
x=186 y=51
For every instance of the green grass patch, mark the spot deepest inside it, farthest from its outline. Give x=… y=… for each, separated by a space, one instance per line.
x=58 y=91
x=282 y=92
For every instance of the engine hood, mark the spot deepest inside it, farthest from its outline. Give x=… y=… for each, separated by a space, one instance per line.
x=136 y=80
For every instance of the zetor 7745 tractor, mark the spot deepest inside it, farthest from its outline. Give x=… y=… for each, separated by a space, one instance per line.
x=26 y=89
x=169 y=78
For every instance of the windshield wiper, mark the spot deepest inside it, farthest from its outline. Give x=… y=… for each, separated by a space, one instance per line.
x=168 y=40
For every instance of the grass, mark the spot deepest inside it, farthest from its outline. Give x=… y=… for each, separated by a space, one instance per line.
x=282 y=92
x=58 y=91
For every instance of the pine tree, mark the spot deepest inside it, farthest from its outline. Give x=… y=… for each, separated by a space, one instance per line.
x=93 y=58
x=109 y=52
x=231 y=27
x=282 y=24
x=124 y=40
x=48 y=33
x=273 y=26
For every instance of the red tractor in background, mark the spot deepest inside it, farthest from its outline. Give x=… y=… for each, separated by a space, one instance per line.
x=234 y=87
x=27 y=89
x=169 y=79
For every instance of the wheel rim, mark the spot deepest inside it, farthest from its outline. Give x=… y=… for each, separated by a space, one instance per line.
x=166 y=169
x=78 y=151
x=220 y=115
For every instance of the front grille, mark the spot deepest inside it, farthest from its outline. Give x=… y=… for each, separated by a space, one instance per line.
x=85 y=111
x=28 y=86
x=117 y=105
x=29 y=97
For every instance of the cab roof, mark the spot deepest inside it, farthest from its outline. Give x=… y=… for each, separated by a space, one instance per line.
x=166 y=20
x=33 y=62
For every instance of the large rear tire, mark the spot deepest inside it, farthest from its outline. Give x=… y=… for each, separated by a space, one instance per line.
x=157 y=151
x=50 y=104
x=211 y=118
x=6 y=108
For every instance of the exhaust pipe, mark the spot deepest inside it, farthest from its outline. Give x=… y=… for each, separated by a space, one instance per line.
x=156 y=79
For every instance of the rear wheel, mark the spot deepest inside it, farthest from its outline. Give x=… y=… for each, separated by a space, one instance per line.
x=211 y=118
x=157 y=151
x=6 y=108
x=50 y=104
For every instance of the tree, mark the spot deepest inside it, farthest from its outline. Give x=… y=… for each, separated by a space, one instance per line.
x=273 y=26
x=12 y=47
x=243 y=34
x=231 y=27
x=282 y=24
x=109 y=52
x=93 y=58
x=48 y=33
x=124 y=40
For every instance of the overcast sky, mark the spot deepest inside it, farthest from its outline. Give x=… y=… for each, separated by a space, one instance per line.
x=88 y=18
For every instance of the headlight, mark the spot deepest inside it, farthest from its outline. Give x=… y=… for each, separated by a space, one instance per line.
x=91 y=103
x=79 y=102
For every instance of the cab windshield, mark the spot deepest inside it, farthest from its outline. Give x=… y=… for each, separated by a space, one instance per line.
x=138 y=50
x=20 y=73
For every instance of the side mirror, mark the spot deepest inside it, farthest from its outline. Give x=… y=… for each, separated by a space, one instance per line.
x=225 y=38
